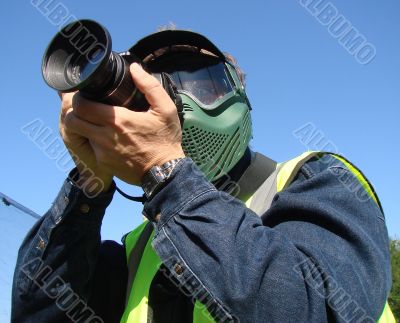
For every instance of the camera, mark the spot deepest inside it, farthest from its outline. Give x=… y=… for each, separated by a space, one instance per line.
x=80 y=58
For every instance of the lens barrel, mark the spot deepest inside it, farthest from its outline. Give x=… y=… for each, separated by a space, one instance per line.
x=80 y=58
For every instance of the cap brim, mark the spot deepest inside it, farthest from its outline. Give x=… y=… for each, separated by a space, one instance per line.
x=153 y=42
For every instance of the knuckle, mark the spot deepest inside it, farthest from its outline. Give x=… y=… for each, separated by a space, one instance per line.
x=76 y=103
x=171 y=109
x=118 y=125
x=80 y=105
x=69 y=120
x=122 y=120
x=66 y=99
x=103 y=156
x=154 y=87
x=64 y=112
x=151 y=83
x=65 y=106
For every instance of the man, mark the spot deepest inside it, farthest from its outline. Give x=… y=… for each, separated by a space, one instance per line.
x=302 y=249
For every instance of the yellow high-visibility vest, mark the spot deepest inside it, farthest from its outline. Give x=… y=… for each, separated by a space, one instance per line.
x=136 y=309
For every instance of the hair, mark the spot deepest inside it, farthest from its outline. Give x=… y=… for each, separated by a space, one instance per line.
x=242 y=76
x=169 y=26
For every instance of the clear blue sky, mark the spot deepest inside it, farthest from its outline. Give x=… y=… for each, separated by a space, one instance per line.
x=297 y=73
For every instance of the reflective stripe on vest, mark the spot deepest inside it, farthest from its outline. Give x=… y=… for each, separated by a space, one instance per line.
x=136 y=310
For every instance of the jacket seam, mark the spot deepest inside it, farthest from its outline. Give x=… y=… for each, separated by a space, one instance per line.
x=179 y=208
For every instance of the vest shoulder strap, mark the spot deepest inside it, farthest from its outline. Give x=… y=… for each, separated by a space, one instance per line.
x=135 y=255
x=278 y=180
x=366 y=184
x=259 y=170
x=290 y=169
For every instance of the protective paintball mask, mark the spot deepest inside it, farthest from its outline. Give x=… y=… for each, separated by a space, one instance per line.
x=216 y=127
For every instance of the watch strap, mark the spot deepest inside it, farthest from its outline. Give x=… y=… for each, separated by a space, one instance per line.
x=157 y=177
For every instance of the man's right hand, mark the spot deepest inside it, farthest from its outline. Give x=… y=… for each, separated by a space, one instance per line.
x=80 y=148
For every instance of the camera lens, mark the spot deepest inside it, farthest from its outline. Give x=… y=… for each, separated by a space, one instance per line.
x=85 y=67
x=80 y=58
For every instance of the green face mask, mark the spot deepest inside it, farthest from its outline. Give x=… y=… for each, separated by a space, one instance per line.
x=217 y=139
x=216 y=126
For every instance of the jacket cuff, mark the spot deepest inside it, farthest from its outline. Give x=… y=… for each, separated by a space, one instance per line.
x=186 y=183
x=73 y=201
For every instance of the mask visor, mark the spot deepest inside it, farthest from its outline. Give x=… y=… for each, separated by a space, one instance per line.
x=204 y=78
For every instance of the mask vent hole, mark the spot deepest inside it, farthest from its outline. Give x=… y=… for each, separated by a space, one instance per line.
x=202 y=145
x=187 y=108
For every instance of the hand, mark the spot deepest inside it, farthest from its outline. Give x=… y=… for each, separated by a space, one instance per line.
x=81 y=149
x=128 y=143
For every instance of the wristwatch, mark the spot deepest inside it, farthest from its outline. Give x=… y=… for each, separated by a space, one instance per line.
x=157 y=177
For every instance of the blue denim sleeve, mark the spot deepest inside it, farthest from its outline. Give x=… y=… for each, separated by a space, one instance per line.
x=319 y=254
x=53 y=278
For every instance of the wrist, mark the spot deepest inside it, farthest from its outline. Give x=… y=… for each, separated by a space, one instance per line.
x=186 y=182
x=158 y=176
x=161 y=159
x=90 y=183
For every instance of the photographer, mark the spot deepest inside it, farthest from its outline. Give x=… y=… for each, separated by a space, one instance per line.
x=231 y=235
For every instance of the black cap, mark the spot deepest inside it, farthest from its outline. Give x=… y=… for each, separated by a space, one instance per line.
x=161 y=39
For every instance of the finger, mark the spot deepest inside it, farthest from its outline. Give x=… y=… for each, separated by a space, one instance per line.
x=66 y=103
x=74 y=124
x=93 y=112
x=66 y=97
x=151 y=88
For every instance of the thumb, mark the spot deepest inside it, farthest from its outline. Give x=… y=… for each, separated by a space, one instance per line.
x=152 y=89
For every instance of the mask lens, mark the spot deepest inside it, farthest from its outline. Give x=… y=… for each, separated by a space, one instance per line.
x=202 y=77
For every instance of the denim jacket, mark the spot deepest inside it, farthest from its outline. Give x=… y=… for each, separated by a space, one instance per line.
x=319 y=254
